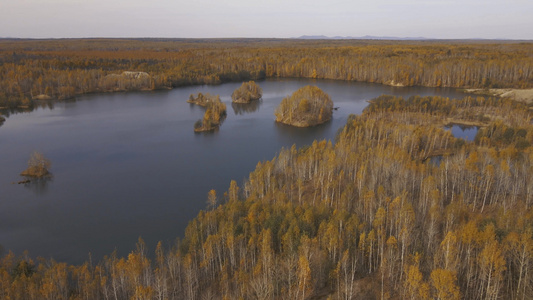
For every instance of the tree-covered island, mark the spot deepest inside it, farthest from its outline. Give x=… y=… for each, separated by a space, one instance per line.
x=38 y=166
x=308 y=106
x=215 y=112
x=202 y=100
x=247 y=92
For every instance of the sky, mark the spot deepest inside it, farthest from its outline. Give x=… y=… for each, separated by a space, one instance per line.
x=445 y=19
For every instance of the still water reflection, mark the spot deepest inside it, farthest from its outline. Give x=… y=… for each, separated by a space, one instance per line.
x=242 y=108
x=39 y=186
x=464 y=132
x=129 y=164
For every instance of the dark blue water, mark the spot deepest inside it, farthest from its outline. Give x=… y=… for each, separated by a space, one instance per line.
x=128 y=165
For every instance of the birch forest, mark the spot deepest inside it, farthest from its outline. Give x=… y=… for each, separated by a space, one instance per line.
x=62 y=69
x=395 y=207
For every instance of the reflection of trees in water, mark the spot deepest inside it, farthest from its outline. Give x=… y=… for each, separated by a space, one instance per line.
x=34 y=105
x=462 y=127
x=50 y=103
x=38 y=185
x=242 y=108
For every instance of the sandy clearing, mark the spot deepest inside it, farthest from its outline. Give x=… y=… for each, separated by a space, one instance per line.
x=521 y=95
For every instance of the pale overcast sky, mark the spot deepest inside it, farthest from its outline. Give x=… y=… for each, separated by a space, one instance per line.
x=511 y=19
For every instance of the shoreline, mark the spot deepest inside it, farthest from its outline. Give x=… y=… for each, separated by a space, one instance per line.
x=519 y=95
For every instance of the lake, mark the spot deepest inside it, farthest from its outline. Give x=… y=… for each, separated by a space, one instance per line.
x=129 y=164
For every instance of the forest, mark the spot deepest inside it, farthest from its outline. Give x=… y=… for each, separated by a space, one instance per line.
x=370 y=216
x=395 y=208
x=60 y=69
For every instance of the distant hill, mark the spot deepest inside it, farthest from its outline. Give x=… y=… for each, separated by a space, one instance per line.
x=314 y=37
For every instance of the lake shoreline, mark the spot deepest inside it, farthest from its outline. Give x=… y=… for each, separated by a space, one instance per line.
x=519 y=95
x=96 y=169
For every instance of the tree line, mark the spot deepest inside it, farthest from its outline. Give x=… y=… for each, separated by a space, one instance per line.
x=371 y=216
x=65 y=68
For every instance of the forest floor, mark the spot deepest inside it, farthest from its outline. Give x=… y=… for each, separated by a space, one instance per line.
x=521 y=95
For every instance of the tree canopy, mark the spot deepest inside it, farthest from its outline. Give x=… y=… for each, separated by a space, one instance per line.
x=308 y=106
x=203 y=100
x=40 y=69
x=38 y=165
x=247 y=92
x=215 y=112
x=369 y=216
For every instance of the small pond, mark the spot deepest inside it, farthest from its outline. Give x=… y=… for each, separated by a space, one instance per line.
x=464 y=132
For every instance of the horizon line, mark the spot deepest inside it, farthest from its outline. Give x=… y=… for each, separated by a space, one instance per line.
x=302 y=37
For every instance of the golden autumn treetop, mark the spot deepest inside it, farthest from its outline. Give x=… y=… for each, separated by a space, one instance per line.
x=308 y=106
x=247 y=92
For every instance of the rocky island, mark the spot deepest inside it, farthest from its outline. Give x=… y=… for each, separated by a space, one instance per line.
x=308 y=106
x=247 y=92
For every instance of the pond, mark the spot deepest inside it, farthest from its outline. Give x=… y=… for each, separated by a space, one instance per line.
x=467 y=133
x=127 y=165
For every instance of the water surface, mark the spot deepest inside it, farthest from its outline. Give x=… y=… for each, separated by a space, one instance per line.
x=467 y=133
x=129 y=164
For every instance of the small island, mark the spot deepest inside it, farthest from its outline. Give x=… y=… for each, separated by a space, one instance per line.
x=215 y=113
x=247 y=92
x=38 y=166
x=203 y=100
x=308 y=106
